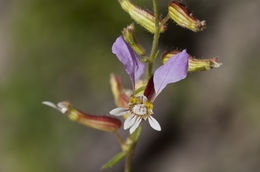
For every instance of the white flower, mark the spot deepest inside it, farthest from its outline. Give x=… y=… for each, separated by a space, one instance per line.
x=138 y=109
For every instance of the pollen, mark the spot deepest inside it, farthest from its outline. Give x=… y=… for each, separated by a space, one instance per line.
x=149 y=105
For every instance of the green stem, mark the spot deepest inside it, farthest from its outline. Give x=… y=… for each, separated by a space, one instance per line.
x=153 y=55
x=128 y=161
x=165 y=20
x=155 y=39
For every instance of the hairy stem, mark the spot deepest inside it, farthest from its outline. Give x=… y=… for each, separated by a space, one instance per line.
x=155 y=39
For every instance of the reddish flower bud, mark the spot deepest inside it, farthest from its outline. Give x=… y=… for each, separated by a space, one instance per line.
x=104 y=123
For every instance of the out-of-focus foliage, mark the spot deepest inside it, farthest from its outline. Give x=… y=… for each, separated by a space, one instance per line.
x=60 y=50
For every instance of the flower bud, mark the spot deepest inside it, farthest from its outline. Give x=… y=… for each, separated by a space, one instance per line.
x=103 y=123
x=182 y=16
x=121 y=98
x=129 y=37
x=195 y=64
x=203 y=64
x=143 y=17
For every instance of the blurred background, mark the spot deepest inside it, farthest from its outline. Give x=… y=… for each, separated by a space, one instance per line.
x=61 y=50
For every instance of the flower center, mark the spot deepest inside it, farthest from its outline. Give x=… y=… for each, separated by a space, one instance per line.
x=140 y=106
x=139 y=109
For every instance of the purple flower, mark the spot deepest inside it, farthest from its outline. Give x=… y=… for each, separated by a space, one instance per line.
x=140 y=107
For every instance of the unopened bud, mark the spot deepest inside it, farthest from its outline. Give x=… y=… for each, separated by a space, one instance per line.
x=129 y=37
x=182 y=16
x=103 y=123
x=203 y=64
x=120 y=96
x=195 y=64
x=141 y=16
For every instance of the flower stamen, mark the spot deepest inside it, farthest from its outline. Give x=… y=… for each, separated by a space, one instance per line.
x=140 y=107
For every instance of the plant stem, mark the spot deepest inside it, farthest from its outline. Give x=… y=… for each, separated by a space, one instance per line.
x=155 y=39
x=119 y=138
x=129 y=160
x=165 y=20
x=153 y=55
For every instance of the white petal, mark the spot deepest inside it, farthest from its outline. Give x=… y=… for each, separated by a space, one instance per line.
x=136 y=124
x=119 y=111
x=129 y=121
x=63 y=107
x=154 y=123
x=50 y=104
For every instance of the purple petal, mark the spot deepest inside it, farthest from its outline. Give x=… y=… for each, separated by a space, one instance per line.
x=133 y=66
x=175 y=69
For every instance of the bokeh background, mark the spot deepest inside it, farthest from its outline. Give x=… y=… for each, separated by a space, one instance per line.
x=61 y=50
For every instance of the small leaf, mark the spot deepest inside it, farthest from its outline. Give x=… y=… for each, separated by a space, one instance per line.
x=114 y=160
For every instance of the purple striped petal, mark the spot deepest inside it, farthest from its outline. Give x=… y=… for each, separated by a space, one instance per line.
x=174 y=70
x=133 y=66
